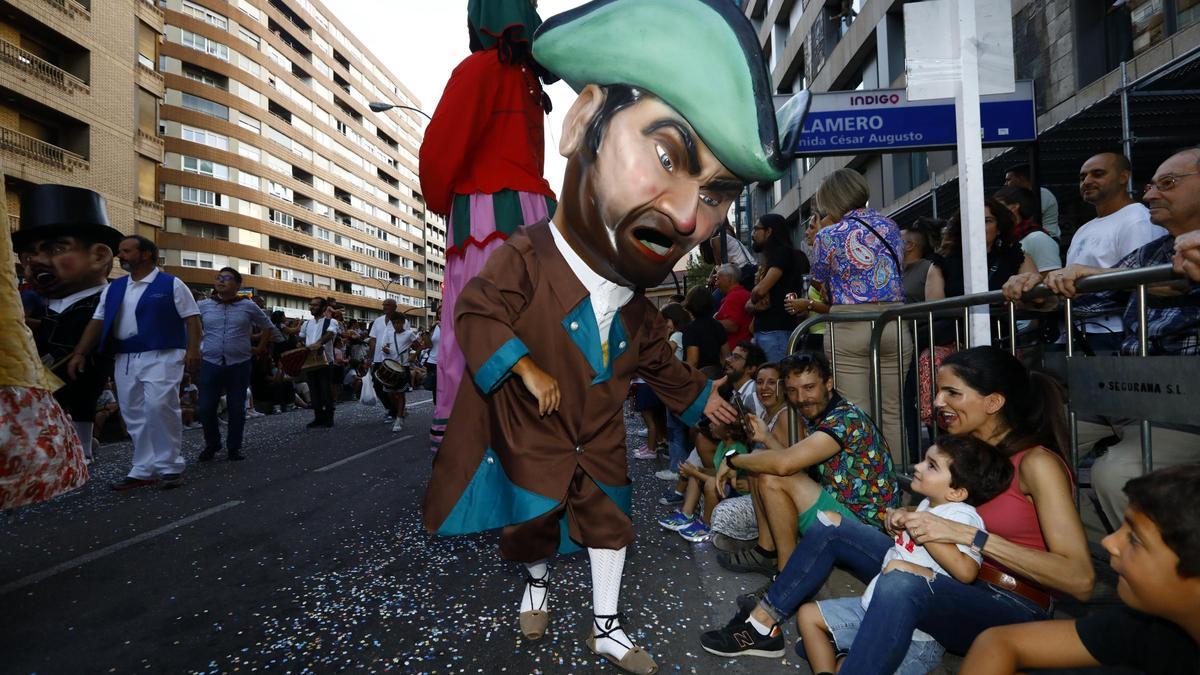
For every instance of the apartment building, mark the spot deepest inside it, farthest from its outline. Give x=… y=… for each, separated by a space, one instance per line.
x=275 y=165
x=79 y=99
x=1073 y=52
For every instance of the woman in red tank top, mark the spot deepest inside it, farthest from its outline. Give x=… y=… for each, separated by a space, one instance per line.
x=1034 y=542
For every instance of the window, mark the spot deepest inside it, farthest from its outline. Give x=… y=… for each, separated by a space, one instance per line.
x=205 y=137
x=205 y=76
x=249 y=152
x=205 y=45
x=205 y=14
x=196 y=228
x=250 y=123
x=249 y=37
x=280 y=191
x=249 y=180
x=191 y=195
x=281 y=218
x=205 y=167
x=205 y=106
x=324 y=258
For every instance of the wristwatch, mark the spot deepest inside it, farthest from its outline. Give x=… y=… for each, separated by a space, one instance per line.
x=729 y=461
x=981 y=537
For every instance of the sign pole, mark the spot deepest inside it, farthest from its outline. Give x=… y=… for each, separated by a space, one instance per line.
x=970 y=166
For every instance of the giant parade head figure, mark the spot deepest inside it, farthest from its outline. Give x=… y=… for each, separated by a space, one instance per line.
x=674 y=117
x=65 y=242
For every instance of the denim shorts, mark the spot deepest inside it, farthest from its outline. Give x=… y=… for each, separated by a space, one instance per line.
x=843 y=616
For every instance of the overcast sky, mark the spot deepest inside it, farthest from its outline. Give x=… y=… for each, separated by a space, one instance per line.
x=421 y=41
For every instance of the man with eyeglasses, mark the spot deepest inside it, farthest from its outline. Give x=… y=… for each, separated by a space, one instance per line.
x=1120 y=227
x=225 y=351
x=1172 y=324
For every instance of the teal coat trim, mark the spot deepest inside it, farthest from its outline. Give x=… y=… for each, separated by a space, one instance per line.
x=691 y=416
x=580 y=324
x=498 y=368
x=491 y=500
x=623 y=496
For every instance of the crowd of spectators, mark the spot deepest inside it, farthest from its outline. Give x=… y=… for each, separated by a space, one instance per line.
x=991 y=540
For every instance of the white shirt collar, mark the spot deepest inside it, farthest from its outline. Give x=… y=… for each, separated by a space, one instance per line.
x=149 y=278
x=59 y=304
x=606 y=296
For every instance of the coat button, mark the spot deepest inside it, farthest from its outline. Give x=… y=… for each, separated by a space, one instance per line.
x=491 y=460
x=574 y=325
x=621 y=345
x=579 y=449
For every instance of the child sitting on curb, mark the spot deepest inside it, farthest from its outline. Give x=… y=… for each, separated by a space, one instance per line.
x=958 y=474
x=1156 y=554
x=731 y=439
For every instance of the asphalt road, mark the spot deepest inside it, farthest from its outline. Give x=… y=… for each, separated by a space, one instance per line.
x=309 y=557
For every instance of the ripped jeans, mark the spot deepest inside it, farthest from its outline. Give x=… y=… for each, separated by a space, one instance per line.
x=952 y=612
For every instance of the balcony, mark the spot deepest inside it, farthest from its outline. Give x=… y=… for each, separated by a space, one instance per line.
x=151 y=76
x=72 y=8
x=47 y=72
x=149 y=145
x=40 y=151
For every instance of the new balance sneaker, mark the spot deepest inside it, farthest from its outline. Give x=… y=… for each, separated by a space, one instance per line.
x=695 y=531
x=667 y=474
x=676 y=520
x=644 y=452
x=743 y=639
x=671 y=497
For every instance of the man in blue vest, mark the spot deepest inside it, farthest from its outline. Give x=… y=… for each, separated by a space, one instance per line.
x=151 y=321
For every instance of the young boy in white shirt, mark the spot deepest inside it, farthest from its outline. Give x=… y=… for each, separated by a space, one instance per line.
x=958 y=474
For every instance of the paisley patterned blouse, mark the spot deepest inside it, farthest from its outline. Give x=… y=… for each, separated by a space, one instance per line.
x=854 y=264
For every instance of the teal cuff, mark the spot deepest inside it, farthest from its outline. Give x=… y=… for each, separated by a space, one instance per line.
x=691 y=416
x=498 y=368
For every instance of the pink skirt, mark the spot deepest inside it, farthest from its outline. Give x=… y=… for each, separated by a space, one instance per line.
x=462 y=264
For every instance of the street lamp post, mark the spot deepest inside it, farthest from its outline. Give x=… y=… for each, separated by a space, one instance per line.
x=376 y=106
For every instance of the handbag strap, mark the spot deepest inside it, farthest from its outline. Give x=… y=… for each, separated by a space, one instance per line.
x=891 y=251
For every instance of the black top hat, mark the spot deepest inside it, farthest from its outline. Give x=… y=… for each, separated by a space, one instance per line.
x=61 y=210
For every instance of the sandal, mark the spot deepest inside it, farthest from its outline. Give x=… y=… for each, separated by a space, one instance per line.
x=535 y=622
x=635 y=661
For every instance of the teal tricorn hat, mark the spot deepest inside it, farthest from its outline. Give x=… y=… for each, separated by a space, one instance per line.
x=701 y=57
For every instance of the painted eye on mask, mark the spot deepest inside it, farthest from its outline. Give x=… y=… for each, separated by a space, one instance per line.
x=664 y=158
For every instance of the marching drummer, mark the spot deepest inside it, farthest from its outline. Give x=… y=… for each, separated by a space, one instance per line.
x=397 y=344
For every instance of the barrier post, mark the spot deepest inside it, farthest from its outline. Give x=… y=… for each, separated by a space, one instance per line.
x=1147 y=449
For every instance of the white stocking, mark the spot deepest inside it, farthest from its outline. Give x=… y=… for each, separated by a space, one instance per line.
x=607 y=567
x=535 y=597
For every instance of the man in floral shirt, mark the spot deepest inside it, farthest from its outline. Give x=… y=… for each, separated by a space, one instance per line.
x=844 y=448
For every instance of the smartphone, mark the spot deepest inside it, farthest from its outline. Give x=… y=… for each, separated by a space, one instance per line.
x=743 y=416
x=791 y=295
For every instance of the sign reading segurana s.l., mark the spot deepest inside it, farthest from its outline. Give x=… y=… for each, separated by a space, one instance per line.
x=884 y=120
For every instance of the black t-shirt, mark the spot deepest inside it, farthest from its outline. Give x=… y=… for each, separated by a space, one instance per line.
x=1003 y=262
x=776 y=316
x=1123 y=637
x=708 y=335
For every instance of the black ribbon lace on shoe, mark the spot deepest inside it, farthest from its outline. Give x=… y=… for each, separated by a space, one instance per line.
x=612 y=624
x=532 y=583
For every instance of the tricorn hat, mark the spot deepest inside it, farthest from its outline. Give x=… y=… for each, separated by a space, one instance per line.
x=701 y=57
x=62 y=210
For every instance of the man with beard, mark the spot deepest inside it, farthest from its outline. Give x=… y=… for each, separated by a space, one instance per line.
x=66 y=246
x=150 y=319
x=1120 y=227
x=553 y=329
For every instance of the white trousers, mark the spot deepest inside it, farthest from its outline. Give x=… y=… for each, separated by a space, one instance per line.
x=148 y=393
x=1123 y=461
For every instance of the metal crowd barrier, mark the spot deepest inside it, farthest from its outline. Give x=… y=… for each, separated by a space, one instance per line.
x=1170 y=407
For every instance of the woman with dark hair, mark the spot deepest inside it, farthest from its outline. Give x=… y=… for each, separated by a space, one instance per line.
x=704 y=341
x=778 y=275
x=1034 y=547
x=1004 y=255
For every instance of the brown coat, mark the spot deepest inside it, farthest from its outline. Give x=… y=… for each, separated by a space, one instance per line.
x=527 y=298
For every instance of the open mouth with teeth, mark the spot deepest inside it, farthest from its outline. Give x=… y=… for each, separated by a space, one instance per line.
x=946 y=418
x=655 y=244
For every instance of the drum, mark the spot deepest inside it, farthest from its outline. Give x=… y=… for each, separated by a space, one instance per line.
x=296 y=361
x=393 y=375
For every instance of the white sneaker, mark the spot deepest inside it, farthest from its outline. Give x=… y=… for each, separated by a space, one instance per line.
x=398 y=425
x=667 y=474
x=642 y=432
